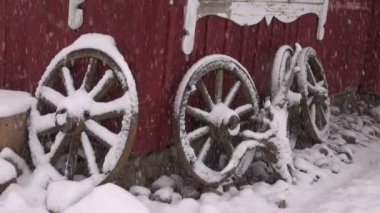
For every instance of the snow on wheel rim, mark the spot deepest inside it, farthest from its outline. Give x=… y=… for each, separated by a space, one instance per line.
x=85 y=130
x=281 y=63
x=217 y=125
x=315 y=103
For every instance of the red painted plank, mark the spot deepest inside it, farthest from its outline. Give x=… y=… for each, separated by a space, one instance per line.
x=371 y=79
x=2 y=39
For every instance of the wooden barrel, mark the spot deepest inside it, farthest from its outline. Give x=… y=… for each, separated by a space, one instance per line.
x=14 y=110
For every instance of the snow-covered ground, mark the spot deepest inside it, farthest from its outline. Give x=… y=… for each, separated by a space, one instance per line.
x=327 y=180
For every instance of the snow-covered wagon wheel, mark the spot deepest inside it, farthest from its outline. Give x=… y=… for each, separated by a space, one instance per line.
x=85 y=118
x=281 y=65
x=315 y=102
x=213 y=105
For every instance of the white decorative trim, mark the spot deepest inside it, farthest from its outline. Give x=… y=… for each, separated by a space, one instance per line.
x=75 y=18
x=251 y=12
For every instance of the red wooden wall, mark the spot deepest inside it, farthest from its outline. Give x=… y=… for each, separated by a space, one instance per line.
x=149 y=33
x=2 y=40
x=371 y=80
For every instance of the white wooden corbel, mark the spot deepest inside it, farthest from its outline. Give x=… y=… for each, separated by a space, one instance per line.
x=75 y=18
x=251 y=12
x=190 y=13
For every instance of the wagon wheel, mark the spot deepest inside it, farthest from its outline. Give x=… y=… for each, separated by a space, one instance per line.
x=315 y=102
x=281 y=65
x=208 y=134
x=84 y=128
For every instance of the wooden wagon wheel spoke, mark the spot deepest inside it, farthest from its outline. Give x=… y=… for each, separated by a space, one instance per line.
x=45 y=124
x=67 y=80
x=101 y=133
x=219 y=86
x=204 y=150
x=310 y=74
x=50 y=96
x=105 y=83
x=199 y=114
x=205 y=94
x=90 y=74
x=112 y=109
x=220 y=123
x=310 y=100
x=313 y=112
x=73 y=124
x=321 y=83
x=232 y=93
x=244 y=109
x=59 y=139
x=71 y=162
x=90 y=154
x=198 y=133
x=322 y=114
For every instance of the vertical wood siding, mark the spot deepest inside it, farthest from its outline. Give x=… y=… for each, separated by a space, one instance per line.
x=371 y=80
x=2 y=40
x=149 y=33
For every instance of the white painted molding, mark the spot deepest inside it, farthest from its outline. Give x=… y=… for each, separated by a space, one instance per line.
x=251 y=12
x=75 y=18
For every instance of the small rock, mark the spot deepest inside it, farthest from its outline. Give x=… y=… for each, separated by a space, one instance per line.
x=335 y=168
x=140 y=191
x=189 y=192
x=179 y=183
x=281 y=204
x=341 y=148
x=324 y=150
x=176 y=197
x=335 y=110
x=163 y=195
x=162 y=182
x=343 y=158
x=349 y=137
x=375 y=112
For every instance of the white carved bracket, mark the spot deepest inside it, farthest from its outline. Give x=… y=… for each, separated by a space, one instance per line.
x=251 y=12
x=75 y=18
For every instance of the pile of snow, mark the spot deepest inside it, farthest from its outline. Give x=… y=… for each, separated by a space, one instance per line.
x=108 y=198
x=29 y=194
x=14 y=102
x=19 y=163
x=63 y=194
x=7 y=172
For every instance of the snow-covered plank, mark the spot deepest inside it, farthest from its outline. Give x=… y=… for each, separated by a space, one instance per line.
x=251 y=12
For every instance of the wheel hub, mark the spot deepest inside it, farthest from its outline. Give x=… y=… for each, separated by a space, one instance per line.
x=72 y=112
x=226 y=122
